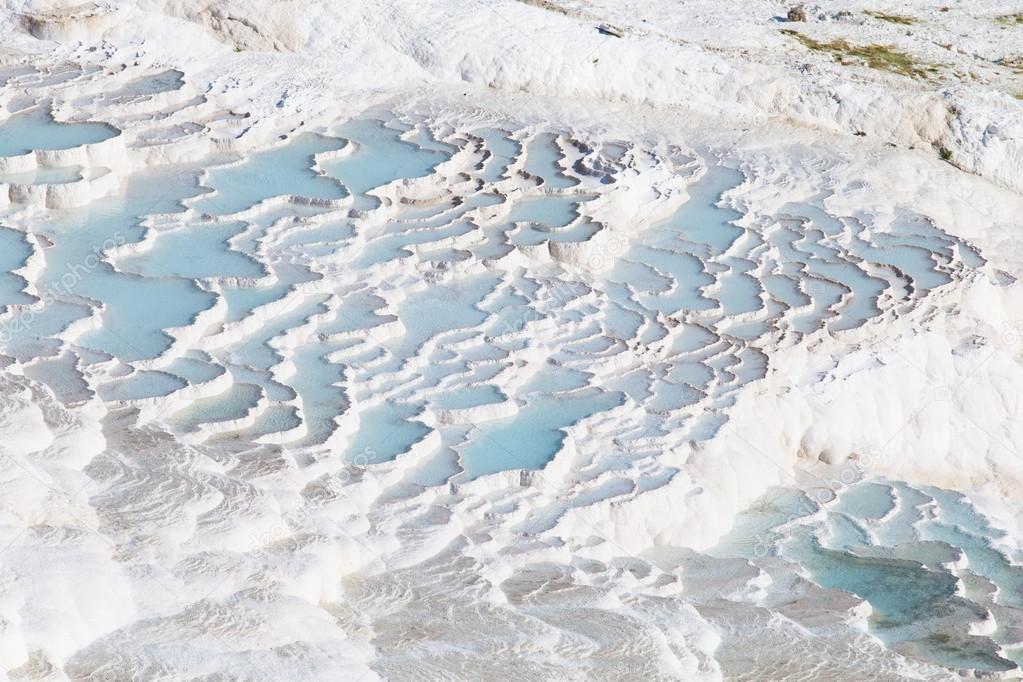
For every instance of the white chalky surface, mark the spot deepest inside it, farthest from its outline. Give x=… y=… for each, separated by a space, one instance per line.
x=460 y=340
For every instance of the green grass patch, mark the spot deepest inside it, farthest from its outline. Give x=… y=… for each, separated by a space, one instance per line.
x=1011 y=19
x=945 y=154
x=882 y=57
x=892 y=18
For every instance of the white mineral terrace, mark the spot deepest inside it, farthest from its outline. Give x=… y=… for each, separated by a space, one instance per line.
x=679 y=349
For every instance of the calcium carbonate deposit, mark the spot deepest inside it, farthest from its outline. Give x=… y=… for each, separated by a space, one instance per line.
x=511 y=340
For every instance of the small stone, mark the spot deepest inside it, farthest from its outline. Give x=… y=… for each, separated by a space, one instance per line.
x=797 y=13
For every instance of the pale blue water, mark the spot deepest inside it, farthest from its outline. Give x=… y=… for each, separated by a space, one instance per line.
x=473 y=396
x=914 y=261
x=329 y=234
x=531 y=438
x=242 y=301
x=702 y=220
x=235 y=403
x=44 y=176
x=786 y=289
x=321 y=400
x=198 y=251
x=961 y=526
x=278 y=218
x=614 y=151
x=255 y=352
x=36 y=130
x=547 y=218
x=542 y=159
x=503 y=151
x=552 y=211
x=650 y=271
x=884 y=542
x=137 y=310
x=357 y=311
x=385 y=432
x=897 y=566
x=740 y=292
x=14 y=252
x=450 y=307
x=286 y=170
x=666 y=267
x=867 y=500
x=166 y=81
x=579 y=231
x=58 y=373
x=52 y=320
x=137 y=314
x=394 y=246
x=458 y=328
x=275 y=419
x=423 y=137
x=9 y=73
x=382 y=156
x=195 y=370
x=511 y=312
x=274 y=390
x=142 y=385
x=865 y=292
